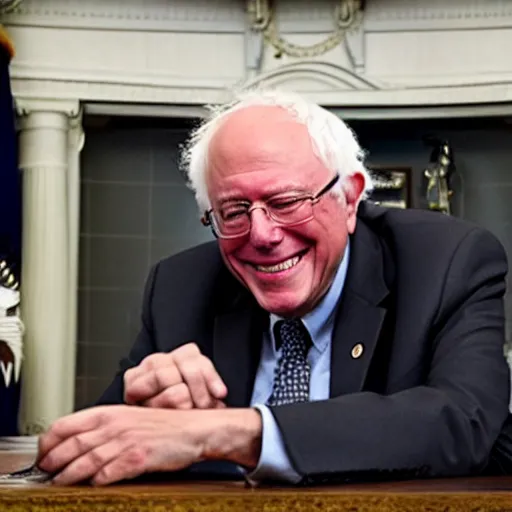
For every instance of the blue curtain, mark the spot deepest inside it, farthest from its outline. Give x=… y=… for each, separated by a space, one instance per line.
x=10 y=229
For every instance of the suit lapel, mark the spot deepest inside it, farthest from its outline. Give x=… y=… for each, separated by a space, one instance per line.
x=237 y=339
x=360 y=314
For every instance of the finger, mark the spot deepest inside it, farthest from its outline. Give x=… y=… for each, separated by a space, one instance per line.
x=186 y=351
x=174 y=397
x=129 y=377
x=131 y=462
x=90 y=463
x=149 y=363
x=213 y=380
x=63 y=428
x=204 y=382
x=151 y=383
x=149 y=386
x=75 y=447
x=192 y=373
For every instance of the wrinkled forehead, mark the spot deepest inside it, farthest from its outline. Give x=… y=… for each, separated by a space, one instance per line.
x=259 y=133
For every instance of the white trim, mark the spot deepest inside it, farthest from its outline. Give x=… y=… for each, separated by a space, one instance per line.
x=347 y=113
x=435 y=112
x=138 y=110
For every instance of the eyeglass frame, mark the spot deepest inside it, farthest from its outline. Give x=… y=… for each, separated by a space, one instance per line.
x=208 y=218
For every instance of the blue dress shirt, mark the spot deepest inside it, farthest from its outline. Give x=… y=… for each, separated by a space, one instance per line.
x=274 y=462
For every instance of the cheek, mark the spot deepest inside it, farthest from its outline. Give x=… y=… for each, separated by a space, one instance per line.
x=331 y=240
x=228 y=250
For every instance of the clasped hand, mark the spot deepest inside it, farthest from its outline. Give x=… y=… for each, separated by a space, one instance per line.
x=181 y=379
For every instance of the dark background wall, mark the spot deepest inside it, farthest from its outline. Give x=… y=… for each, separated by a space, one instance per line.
x=136 y=210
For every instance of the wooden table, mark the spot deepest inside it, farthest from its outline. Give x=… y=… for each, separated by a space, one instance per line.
x=449 y=495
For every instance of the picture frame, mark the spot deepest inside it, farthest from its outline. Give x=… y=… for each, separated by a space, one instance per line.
x=392 y=186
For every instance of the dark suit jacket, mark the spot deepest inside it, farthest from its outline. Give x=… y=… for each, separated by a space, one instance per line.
x=423 y=294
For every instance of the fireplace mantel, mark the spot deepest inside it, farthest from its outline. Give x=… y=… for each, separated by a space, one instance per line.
x=403 y=53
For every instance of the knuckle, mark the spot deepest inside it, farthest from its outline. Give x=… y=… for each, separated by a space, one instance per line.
x=76 y=471
x=97 y=457
x=103 y=475
x=207 y=364
x=166 y=377
x=188 y=350
x=177 y=394
x=136 y=456
x=81 y=443
x=111 y=431
x=128 y=374
x=191 y=370
x=153 y=360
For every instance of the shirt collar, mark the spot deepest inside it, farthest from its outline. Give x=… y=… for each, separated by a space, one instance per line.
x=321 y=317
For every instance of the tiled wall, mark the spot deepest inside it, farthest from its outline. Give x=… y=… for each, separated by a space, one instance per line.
x=136 y=210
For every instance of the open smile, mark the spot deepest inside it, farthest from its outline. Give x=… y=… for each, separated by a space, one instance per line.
x=282 y=266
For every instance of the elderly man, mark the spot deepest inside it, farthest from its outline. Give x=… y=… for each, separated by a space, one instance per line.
x=319 y=338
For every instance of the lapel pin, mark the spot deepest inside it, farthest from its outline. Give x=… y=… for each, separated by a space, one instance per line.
x=357 y=351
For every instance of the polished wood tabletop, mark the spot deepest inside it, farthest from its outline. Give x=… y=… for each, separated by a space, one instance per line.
x=457 y=494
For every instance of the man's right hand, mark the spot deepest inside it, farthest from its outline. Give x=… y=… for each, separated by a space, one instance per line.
x=181 y=379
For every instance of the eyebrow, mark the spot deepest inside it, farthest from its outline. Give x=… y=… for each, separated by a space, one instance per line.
x=280 y=189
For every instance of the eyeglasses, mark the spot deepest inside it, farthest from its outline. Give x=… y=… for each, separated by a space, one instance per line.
x=234 y=219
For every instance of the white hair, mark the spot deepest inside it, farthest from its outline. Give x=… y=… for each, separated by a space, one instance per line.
x=333 y=141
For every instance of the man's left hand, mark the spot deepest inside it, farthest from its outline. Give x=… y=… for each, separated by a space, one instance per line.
x=108 y=444
x=111 y=443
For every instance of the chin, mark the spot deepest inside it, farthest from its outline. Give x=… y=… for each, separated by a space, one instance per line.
x=280 y=306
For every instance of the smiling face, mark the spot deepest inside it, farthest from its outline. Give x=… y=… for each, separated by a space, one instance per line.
x=260 y=152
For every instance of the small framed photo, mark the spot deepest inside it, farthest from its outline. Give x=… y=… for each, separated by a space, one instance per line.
x=392 y=186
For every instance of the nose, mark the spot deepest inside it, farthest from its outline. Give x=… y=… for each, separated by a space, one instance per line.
x=264 y=233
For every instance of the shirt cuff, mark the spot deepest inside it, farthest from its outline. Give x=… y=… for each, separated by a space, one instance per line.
x=274 y=463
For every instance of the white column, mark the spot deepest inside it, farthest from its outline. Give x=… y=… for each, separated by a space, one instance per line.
x=47 y=370
x=76 y=140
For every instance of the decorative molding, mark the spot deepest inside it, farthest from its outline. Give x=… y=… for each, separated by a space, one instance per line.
x=423 y=112
x=355 y=45
x=335 y=77
x=305 y=11
x=262 y=17
x=118 y=77
x=91 y=91
x=304 y=16
x=50 y=72
x=390 y=98
x=176 y=15
x=254 y=46
x=76 y=135
x=8 y=5
x=228 y=16
x=25 y=106
x=396 y=15
x=437 y=9
x=145 y=110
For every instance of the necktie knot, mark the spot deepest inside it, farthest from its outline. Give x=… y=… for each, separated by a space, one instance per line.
x=291 y=380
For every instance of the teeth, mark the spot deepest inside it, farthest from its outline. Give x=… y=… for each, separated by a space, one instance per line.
x=285 y=265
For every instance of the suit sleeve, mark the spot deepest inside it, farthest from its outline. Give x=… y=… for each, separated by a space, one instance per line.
x=143 y=346
x=448 y=425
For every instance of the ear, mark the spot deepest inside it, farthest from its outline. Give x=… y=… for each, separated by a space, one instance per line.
x=354 y=186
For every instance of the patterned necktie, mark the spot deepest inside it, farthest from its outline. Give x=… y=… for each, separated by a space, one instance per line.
x=291 y=380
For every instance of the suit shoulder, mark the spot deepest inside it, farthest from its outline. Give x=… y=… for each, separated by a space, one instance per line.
x=421 y=239
x=421 y=227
